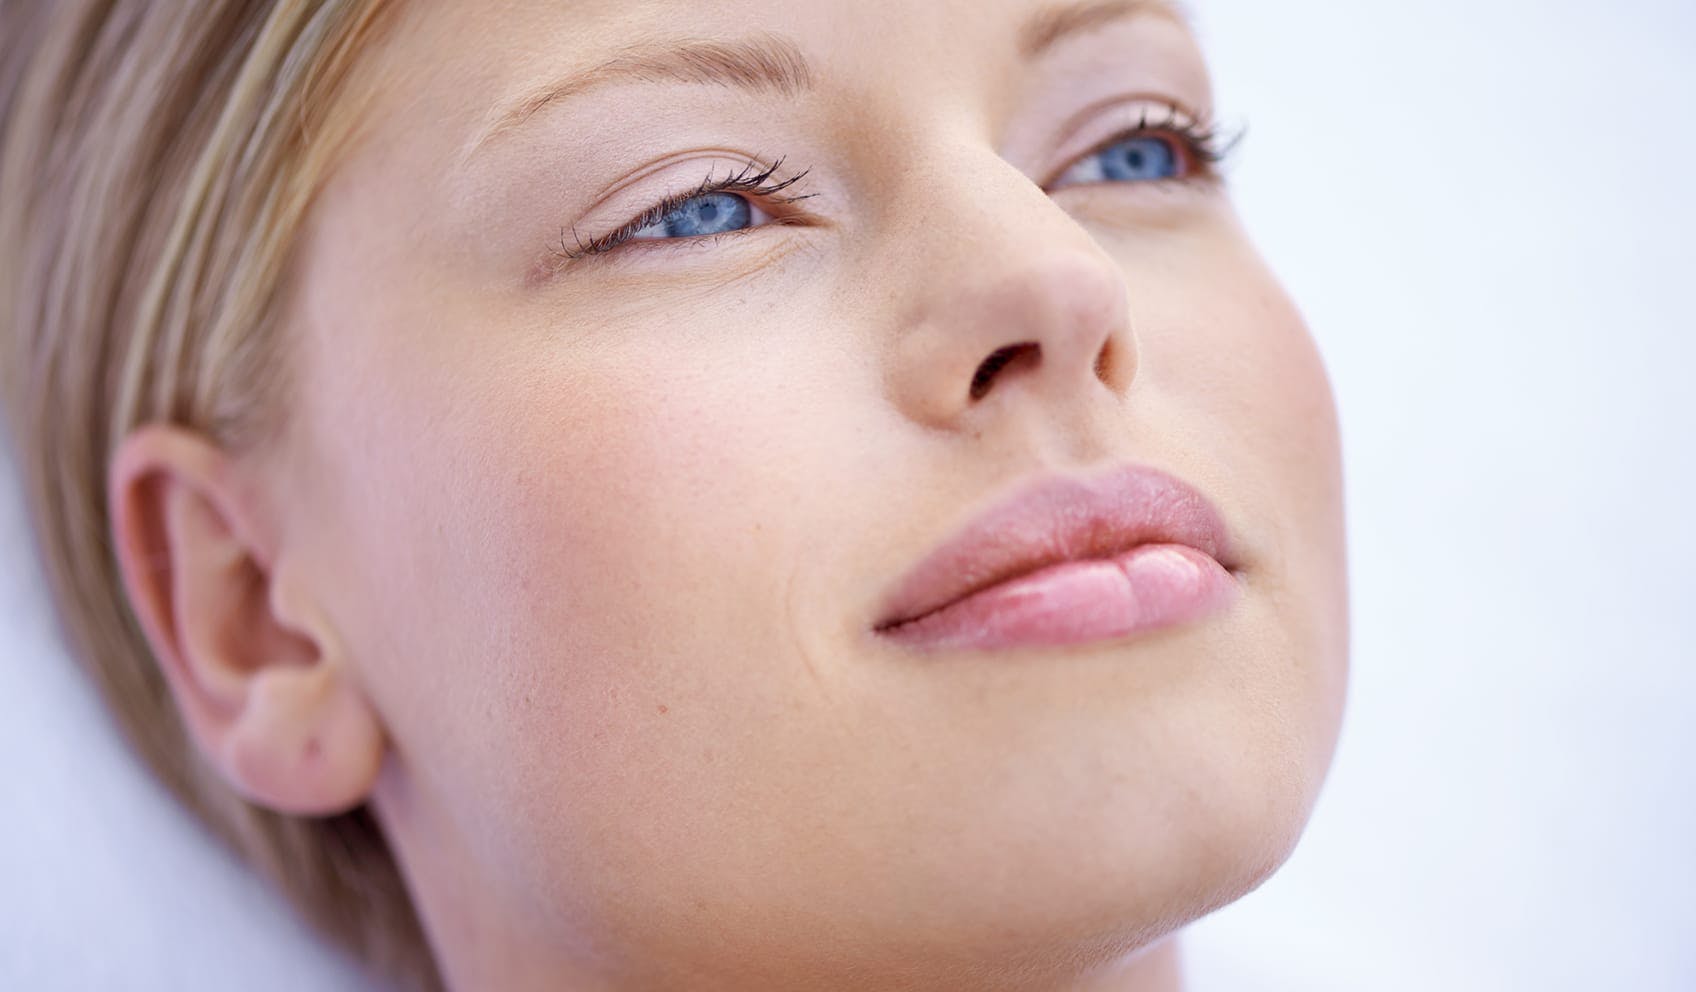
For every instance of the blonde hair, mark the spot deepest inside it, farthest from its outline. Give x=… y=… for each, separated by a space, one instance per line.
x=157 y=160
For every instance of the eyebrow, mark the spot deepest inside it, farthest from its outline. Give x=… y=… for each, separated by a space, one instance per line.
x=774 y=64
x=759 y=63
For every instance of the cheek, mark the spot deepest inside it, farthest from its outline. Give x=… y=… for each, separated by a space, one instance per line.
x=619 y=541
x=616 y=518
x=1230 y=367
x=1287 y=433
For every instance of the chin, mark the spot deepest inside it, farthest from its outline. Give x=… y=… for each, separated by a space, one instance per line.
x=1197 y=801
x=1059 y=875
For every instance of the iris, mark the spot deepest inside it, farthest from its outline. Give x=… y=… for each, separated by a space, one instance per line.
x=1141 y=158
x=707 y=214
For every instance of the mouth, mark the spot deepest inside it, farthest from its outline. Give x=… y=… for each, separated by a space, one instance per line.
x=1069 y=560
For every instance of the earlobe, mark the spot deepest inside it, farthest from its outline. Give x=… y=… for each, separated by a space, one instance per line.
x=305 y=743
x=260 y=678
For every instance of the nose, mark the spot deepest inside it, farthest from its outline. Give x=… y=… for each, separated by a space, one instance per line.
x=1011 y=309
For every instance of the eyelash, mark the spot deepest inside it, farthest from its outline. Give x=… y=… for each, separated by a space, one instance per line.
x=1202 y=143
x=748 y=182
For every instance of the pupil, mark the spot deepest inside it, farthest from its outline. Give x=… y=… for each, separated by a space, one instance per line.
x=1140 y=158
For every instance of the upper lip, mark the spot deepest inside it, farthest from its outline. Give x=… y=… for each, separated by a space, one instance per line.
x=1056 y=519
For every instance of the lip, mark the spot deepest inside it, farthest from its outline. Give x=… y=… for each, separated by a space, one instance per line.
x=1069 y=560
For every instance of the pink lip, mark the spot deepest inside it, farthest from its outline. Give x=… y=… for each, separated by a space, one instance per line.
x=1069 y=561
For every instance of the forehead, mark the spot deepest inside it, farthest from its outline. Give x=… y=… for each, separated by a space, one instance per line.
x=481 y=68
x=598 y=22
x=521 y=38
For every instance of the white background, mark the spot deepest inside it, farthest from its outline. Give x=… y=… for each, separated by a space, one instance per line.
x=1486 y=208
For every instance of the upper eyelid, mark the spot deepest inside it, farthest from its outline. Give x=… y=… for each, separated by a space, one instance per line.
x=1115 y=115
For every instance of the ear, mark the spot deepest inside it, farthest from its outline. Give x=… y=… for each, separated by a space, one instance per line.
x=256 y=671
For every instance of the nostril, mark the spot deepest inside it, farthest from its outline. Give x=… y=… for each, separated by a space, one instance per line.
x=993 y=365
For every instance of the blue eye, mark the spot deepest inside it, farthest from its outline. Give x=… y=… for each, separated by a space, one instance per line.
x=717 y=207
x=707 y=214
x=1139 y=158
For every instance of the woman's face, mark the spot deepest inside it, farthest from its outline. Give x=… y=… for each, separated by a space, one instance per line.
x=605 y=526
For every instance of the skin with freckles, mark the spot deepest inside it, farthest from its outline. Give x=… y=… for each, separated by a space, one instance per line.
x=574 y=544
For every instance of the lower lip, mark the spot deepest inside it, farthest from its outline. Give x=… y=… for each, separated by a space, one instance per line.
x=1149 y=588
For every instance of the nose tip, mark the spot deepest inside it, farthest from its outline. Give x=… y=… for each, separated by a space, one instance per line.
x=1076 y=309
x=1055 y=326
